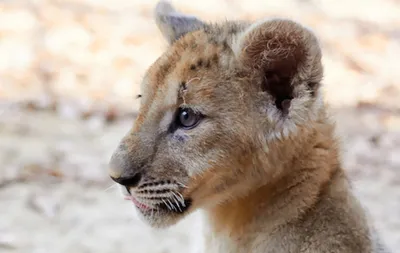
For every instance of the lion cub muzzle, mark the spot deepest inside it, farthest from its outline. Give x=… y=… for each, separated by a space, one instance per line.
x=123 y=170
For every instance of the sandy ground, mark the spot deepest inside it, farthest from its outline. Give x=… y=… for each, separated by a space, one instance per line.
x=69 y=71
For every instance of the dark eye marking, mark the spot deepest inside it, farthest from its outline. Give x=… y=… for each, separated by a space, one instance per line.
x=183 y=86
x=138 y=96
x=180 y=138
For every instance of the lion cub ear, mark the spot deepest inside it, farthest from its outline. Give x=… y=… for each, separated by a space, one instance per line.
x=287 y=58
x=174 y=24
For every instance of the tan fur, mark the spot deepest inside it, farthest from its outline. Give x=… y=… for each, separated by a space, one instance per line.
x=263 y=163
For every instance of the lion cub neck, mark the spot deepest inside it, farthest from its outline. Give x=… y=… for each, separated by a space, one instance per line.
x=289 y=196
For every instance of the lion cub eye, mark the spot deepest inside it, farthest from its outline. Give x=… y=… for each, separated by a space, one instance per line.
x=187 y=118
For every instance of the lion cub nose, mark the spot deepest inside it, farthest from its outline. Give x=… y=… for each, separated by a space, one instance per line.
x=122 y=171
x=131 y=181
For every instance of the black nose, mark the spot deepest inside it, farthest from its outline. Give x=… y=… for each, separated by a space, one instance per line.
x=131 y=181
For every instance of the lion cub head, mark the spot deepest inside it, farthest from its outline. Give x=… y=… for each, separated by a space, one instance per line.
x=221 y=110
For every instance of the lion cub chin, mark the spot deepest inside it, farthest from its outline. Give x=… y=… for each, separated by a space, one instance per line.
x=232 y=121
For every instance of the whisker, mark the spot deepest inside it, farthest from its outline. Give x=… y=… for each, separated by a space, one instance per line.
x=152 y=196
x=194 y=78
x=182 y=199
x=178 y=198
x=182 y=185
x=111 y=186
x=166 y=204
x=173 y=207
x=174 y=196
x=176 y=202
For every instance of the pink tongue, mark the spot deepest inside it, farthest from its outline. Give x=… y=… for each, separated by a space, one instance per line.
x=137 y=203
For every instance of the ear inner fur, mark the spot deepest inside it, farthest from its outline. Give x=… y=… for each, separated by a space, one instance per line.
x=284 y=54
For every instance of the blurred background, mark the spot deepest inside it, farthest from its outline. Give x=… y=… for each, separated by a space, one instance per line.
x=69 y=74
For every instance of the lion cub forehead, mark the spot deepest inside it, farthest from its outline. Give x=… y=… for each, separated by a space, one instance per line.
x=198 y=53
x=186 y=62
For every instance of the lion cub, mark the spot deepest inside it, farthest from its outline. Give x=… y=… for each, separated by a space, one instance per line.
x=232 y=121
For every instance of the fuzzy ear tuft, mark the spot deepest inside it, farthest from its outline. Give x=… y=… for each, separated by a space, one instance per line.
x=174 y=24
x=286 y=55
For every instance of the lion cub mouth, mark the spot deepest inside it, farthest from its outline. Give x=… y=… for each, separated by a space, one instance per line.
x=138 y=204
x=166 y=204
x=128 y=196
